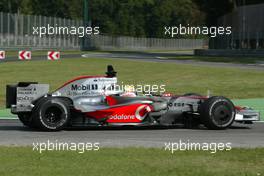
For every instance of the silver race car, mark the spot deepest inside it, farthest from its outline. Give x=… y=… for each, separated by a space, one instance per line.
x=94 y=101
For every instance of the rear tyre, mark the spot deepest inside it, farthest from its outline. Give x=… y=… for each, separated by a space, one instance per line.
x=217 y=113
x=51 y=114
x=25 y=118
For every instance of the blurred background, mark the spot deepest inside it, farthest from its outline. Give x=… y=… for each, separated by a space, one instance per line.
x=132 y=24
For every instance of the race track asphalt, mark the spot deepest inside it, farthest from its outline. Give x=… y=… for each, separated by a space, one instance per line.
x=12 y=132
x=163 y=58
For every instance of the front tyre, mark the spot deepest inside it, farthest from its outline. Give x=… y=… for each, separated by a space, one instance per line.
x=51 y=114
x=217 y=113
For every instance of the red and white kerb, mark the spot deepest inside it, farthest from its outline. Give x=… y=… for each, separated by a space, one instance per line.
x=24 y=55
x=53 y=55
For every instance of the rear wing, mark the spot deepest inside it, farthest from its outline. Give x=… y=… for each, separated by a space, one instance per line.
x=19 y=97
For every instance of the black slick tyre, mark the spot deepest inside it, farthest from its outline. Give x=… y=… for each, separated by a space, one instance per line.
x=51 y=114
x=217 y=113
x=25 y=118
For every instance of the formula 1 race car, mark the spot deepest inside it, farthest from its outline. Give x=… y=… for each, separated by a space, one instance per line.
x=95 y=101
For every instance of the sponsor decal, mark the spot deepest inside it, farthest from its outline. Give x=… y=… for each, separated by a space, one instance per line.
x=106 y=79
x=25 y=98
x=2 y=54
x=24 y=55
x=53 y=55
x=122 y=117
x=140 y=114
x=85 y=93
x=75 y=87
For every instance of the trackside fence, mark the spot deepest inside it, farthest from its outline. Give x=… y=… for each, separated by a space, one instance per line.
x=16 y=31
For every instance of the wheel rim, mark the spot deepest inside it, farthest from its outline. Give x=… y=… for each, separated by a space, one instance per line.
x=222 y=114
x=53 y=116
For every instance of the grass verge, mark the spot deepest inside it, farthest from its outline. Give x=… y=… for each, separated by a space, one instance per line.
x=6 y=114
x=131 y=161
x=179 y=79
x=256 y=104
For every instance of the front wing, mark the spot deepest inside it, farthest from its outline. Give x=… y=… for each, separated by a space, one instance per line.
x=247 y=115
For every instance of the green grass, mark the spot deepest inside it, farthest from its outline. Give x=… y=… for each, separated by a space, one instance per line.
x=23 y=161
x=257 y=104
x=238 y=60
x=6 y=113
x=179 y=79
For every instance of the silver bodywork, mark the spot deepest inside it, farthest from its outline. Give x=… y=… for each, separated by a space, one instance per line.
x=26 y=95
x=88 y=95
x=187 y=104
x=89 y=104
x=89 y=87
